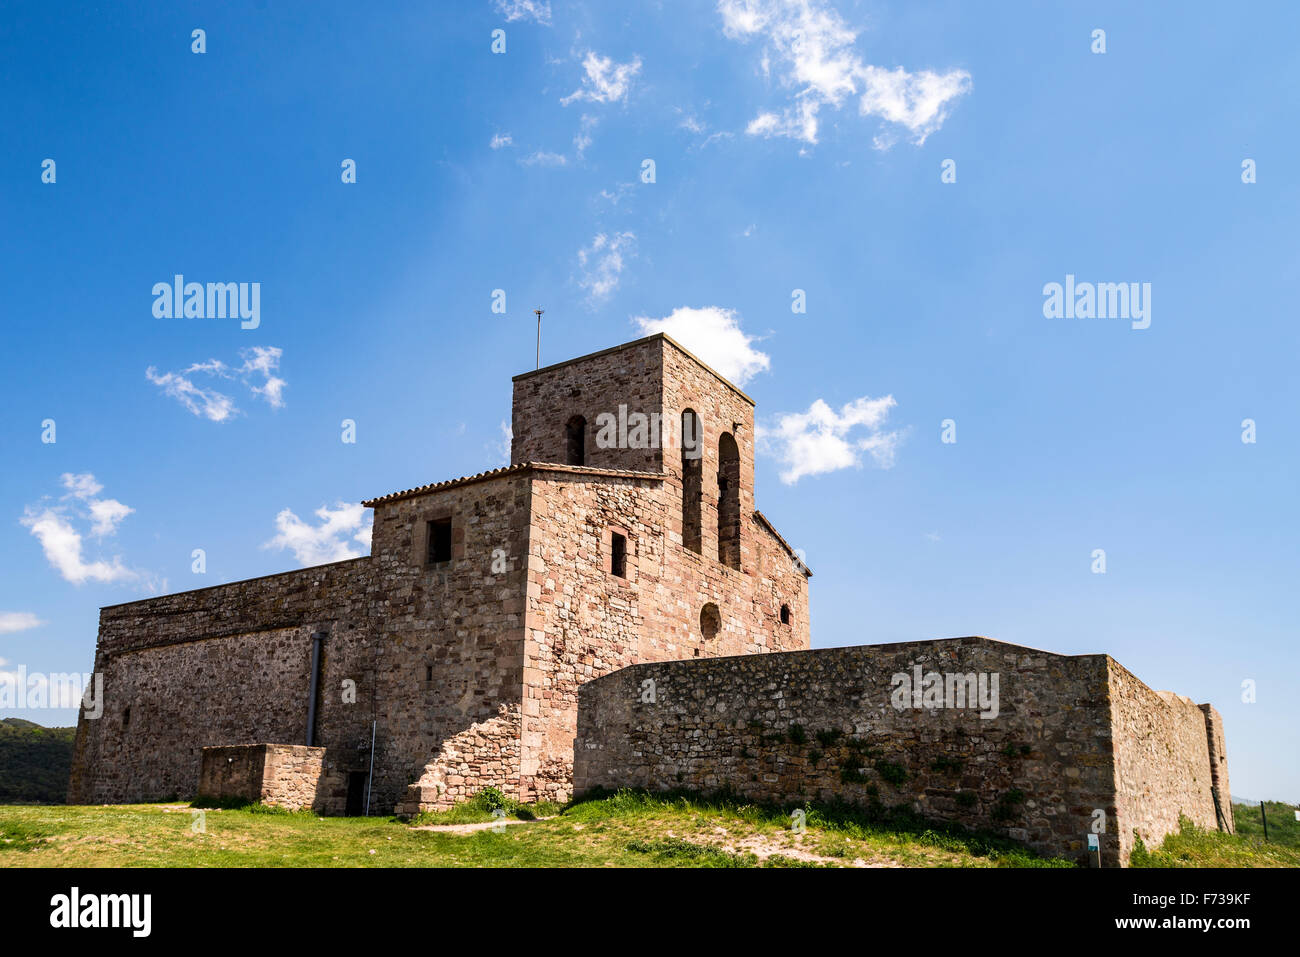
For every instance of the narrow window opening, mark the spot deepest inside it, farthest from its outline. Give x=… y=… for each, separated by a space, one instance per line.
x=618 y=555
x=439 y=541
x=710 y=621
x=785 y=614
x=728 y=501
x=428 y=672
x=692 y=481
x=126 y=716
x=575 y=440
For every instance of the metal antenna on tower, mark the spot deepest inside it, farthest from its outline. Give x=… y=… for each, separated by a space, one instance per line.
x=539 y=336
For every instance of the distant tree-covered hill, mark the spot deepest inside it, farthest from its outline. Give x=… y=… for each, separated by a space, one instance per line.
x=34 y=762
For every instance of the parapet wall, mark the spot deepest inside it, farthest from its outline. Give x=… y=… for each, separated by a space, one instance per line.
x=822 y=725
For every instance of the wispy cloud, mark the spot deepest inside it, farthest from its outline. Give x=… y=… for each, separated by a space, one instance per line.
x=501 y=140
x=714 y=334
x=583 y=138
x=538 y=11
x=812 y=52
x=605 y=81
x=822 y=440
x=507 y=440
x=12 y=621
x=602 y=263
x=341 y=529
x=258 y=372
x=55 y=526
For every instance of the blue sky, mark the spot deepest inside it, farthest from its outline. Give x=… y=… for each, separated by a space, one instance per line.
x=794 y=147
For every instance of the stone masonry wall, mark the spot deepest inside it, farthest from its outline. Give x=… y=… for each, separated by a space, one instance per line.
x=820 y=725
x=584 y=621
x=222 y=665
x=295 y=777
x=451 y=677
x=1162 y=761
x=1073 y=736
x=545 y=400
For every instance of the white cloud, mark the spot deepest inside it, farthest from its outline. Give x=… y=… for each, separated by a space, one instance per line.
x=107 y=513
x=257 y=372
x=264 y=361
x=208 y=403
x=59 y=527
x=500 y=140
x=812 y=50
x=822 y=440
x=543 y=158
x=507 y=440
x=713 y=334
x=11 y=621
x=583 y=139
x=539 y=11
x=330 y=541
x=602 y=263
x=606 y=81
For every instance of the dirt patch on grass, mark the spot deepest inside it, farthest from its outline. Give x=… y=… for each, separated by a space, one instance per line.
x=471 y=828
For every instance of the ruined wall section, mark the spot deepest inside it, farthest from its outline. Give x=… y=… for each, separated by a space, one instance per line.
x=222 y=665
x=820 y=725
x=1162 y=761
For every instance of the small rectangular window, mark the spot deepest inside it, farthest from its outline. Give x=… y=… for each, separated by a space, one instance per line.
x=439 y=541
x=618 y=555
x=428 y=672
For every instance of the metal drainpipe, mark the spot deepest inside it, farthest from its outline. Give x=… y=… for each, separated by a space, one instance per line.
x=316 y=639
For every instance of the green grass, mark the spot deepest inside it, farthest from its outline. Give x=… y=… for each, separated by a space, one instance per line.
x=1197 y=847
x=1283 y=828
x=623 y=829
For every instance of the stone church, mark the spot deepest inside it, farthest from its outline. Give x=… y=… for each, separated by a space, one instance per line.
x=611 y=610
x=459 y=644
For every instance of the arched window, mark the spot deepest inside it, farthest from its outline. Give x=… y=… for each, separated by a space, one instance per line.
x=785 y=614
x=728 y=501
x=692 y=480
x=710 y=621
x=575 y=440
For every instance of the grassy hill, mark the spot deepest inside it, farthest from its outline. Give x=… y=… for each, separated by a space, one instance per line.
x=34 y=762
x=627 y=829
x=1283 y=828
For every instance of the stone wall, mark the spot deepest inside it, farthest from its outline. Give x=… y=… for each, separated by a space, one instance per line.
x=218 y=666
x=822 y=725
x=449 y=700
x=1162 y=761
x=584 y=621
x=546 y=399
x=466 y=667
x=295 y=777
